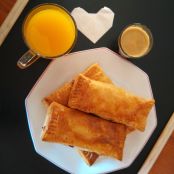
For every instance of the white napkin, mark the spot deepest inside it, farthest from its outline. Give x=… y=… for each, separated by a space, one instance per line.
x=93 y=25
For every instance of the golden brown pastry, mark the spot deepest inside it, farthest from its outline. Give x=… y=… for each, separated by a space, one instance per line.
x=72 y=127
x=109 y=102
x=89 y=157
x=61 y=95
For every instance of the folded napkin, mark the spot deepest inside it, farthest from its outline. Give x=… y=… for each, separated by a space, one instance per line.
x=93 y=25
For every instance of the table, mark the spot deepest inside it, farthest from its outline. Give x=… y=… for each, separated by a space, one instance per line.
x=5 y=7
x=17 y=153
x=164 y=163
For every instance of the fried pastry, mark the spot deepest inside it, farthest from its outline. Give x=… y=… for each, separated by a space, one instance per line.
x=72 y=127
x=109 y=102
x=89 y=157
x=61 y=95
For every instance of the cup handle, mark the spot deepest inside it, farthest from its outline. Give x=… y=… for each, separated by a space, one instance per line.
x=27 y=59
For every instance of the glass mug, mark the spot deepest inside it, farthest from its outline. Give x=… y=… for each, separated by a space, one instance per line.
x=135 y=41
x=49 y=31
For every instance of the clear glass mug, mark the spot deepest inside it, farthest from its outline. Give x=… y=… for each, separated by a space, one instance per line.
x=49 y=31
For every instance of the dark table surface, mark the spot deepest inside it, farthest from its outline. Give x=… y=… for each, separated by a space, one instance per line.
x=17 y=153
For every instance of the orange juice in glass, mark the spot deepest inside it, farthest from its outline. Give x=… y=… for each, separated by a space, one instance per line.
x=49 y=31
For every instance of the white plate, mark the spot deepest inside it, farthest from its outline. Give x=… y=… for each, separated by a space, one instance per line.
x=61 y=70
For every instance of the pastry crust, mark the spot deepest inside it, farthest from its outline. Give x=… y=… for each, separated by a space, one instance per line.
x=89 y=157
x=109 y=102
x=61 y=95
x=72 y=127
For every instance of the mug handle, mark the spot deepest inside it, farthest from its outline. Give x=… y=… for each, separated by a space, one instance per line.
x=27 y=59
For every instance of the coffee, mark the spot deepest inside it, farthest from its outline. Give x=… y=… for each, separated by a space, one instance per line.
x=135 y=41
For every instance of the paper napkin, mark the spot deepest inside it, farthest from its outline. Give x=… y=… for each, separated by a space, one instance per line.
x=93 y=25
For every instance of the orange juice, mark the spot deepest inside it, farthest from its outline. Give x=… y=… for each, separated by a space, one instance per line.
x=49 y=31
